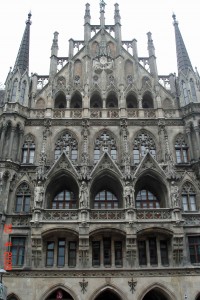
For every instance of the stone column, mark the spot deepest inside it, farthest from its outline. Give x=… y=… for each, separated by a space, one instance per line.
x=2 y=140
x=20 y=146
x=197 y=133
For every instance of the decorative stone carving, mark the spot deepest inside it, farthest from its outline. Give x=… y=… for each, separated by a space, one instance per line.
x=175 y=195
x=38 y=195
x=177 y=250
x=83 y=195
x=132 y=285
x=129 y=195
x=83 y=286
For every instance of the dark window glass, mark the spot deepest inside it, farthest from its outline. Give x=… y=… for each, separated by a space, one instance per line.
x=18 y=251
x=107 y=252
x=96 y=254
x=72 y=254
x=118 y=253
x=64 y=200
x=105 y=199
x=28 y=153
x=61 y=253
x=50 y=254
x=23 y=197
x=142 y=253
x=153 y=251
x=194 y=249
x=145 y=199
x=164 y=253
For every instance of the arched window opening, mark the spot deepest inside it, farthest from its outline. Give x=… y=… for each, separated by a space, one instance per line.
x=76 y=101
x=28 y=150
x=108 y=295
x=66 y=143
x=155 y=294
x=146 y=199
x=182 y=150
x=23 y=90
x=60 y=101
x=143 y=143
x=59 y=294
x=111 y=101
x=147 y=101
x=23 y=199
x=96 y=101
x=185 y=92
x=188 y=197
x=12 y=297
x=64 y=200
x=193 y=91
x=131 y=101
x=105 y=200
x=194 y=249
x=105 y=143
x=14 y=91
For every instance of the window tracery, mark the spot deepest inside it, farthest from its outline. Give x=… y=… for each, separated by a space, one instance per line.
x=105 y=143
x=143 y=143
x=67 y=143
x=182 y=150
x=64 y=200
x=105 y=199
x=23 y=90
x=23 y=198
x=146 y=199
x=188 y=197
x=14 y=91
x=28 y=150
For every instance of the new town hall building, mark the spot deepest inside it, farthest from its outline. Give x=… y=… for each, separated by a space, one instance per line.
x=99 y=172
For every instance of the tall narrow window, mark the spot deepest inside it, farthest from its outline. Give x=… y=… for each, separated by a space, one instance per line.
x=105 y=199
x=67 y=143
x=50 y=254
x=107 y=252
x=105 y=143
x=96 y=254
x=193 y=91
x=72 y=254
x=23 y=197
x=118 y=253
x=14 y=91
x=18 y=251
x=164 y=253
x=64 y=199
x=188 y=197
x=143 y=143
x=61 y=253
x=28 y=150
x=142 y=252
x=194 y=248
x=181 y=149
x=153 y=251
x=185 y=93
x=23 y=90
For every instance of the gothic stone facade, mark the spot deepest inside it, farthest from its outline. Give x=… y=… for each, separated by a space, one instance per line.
x=99 y=172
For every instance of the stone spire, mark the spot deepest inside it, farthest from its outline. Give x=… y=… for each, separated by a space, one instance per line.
x=102 y=11
x=54 y=54
x=87 y=28
x=22 y=60
x=183 y=60
x=117 y=19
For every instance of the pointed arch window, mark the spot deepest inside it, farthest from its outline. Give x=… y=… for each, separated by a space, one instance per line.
x=105 y=199
x=64 y=200
x=193 y=91
x=28 y=150
x=182 y=150
x=143 y=143
x=105 y=143
x=23 y=91
x=67 y=143
x=185 y=92
x=188 y=196
x=14 y=91
x=146 y=199
x=23 y=199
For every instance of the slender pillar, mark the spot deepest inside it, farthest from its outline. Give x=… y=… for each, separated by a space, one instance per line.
x=21 y=134
x=11 y=142
x=197 y=133
x=2 y=140
x=188 y=132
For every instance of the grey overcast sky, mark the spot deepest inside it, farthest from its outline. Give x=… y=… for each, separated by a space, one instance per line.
x=67 y=17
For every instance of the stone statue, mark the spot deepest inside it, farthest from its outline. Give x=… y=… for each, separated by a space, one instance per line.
x=174 y=195
x=83 y=195
x=102 y=5
x=38 y=195
x=129 y=195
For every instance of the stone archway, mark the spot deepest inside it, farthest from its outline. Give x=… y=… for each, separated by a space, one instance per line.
x=155 y=295
x=59 y=294
x=108 y=295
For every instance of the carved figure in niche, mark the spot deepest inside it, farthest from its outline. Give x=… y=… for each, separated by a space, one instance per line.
x=83 y=195
x=129 y=195
x=38 y=195
x=174 y=195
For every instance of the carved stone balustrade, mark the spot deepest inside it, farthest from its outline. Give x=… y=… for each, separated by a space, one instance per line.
x=107 y=215
x=191 y=219
x=153 y=214
x=59 y=215
x=15 y=107
x=21 y=221
x=149 y=113
x=191 y=108
x=132 y=113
